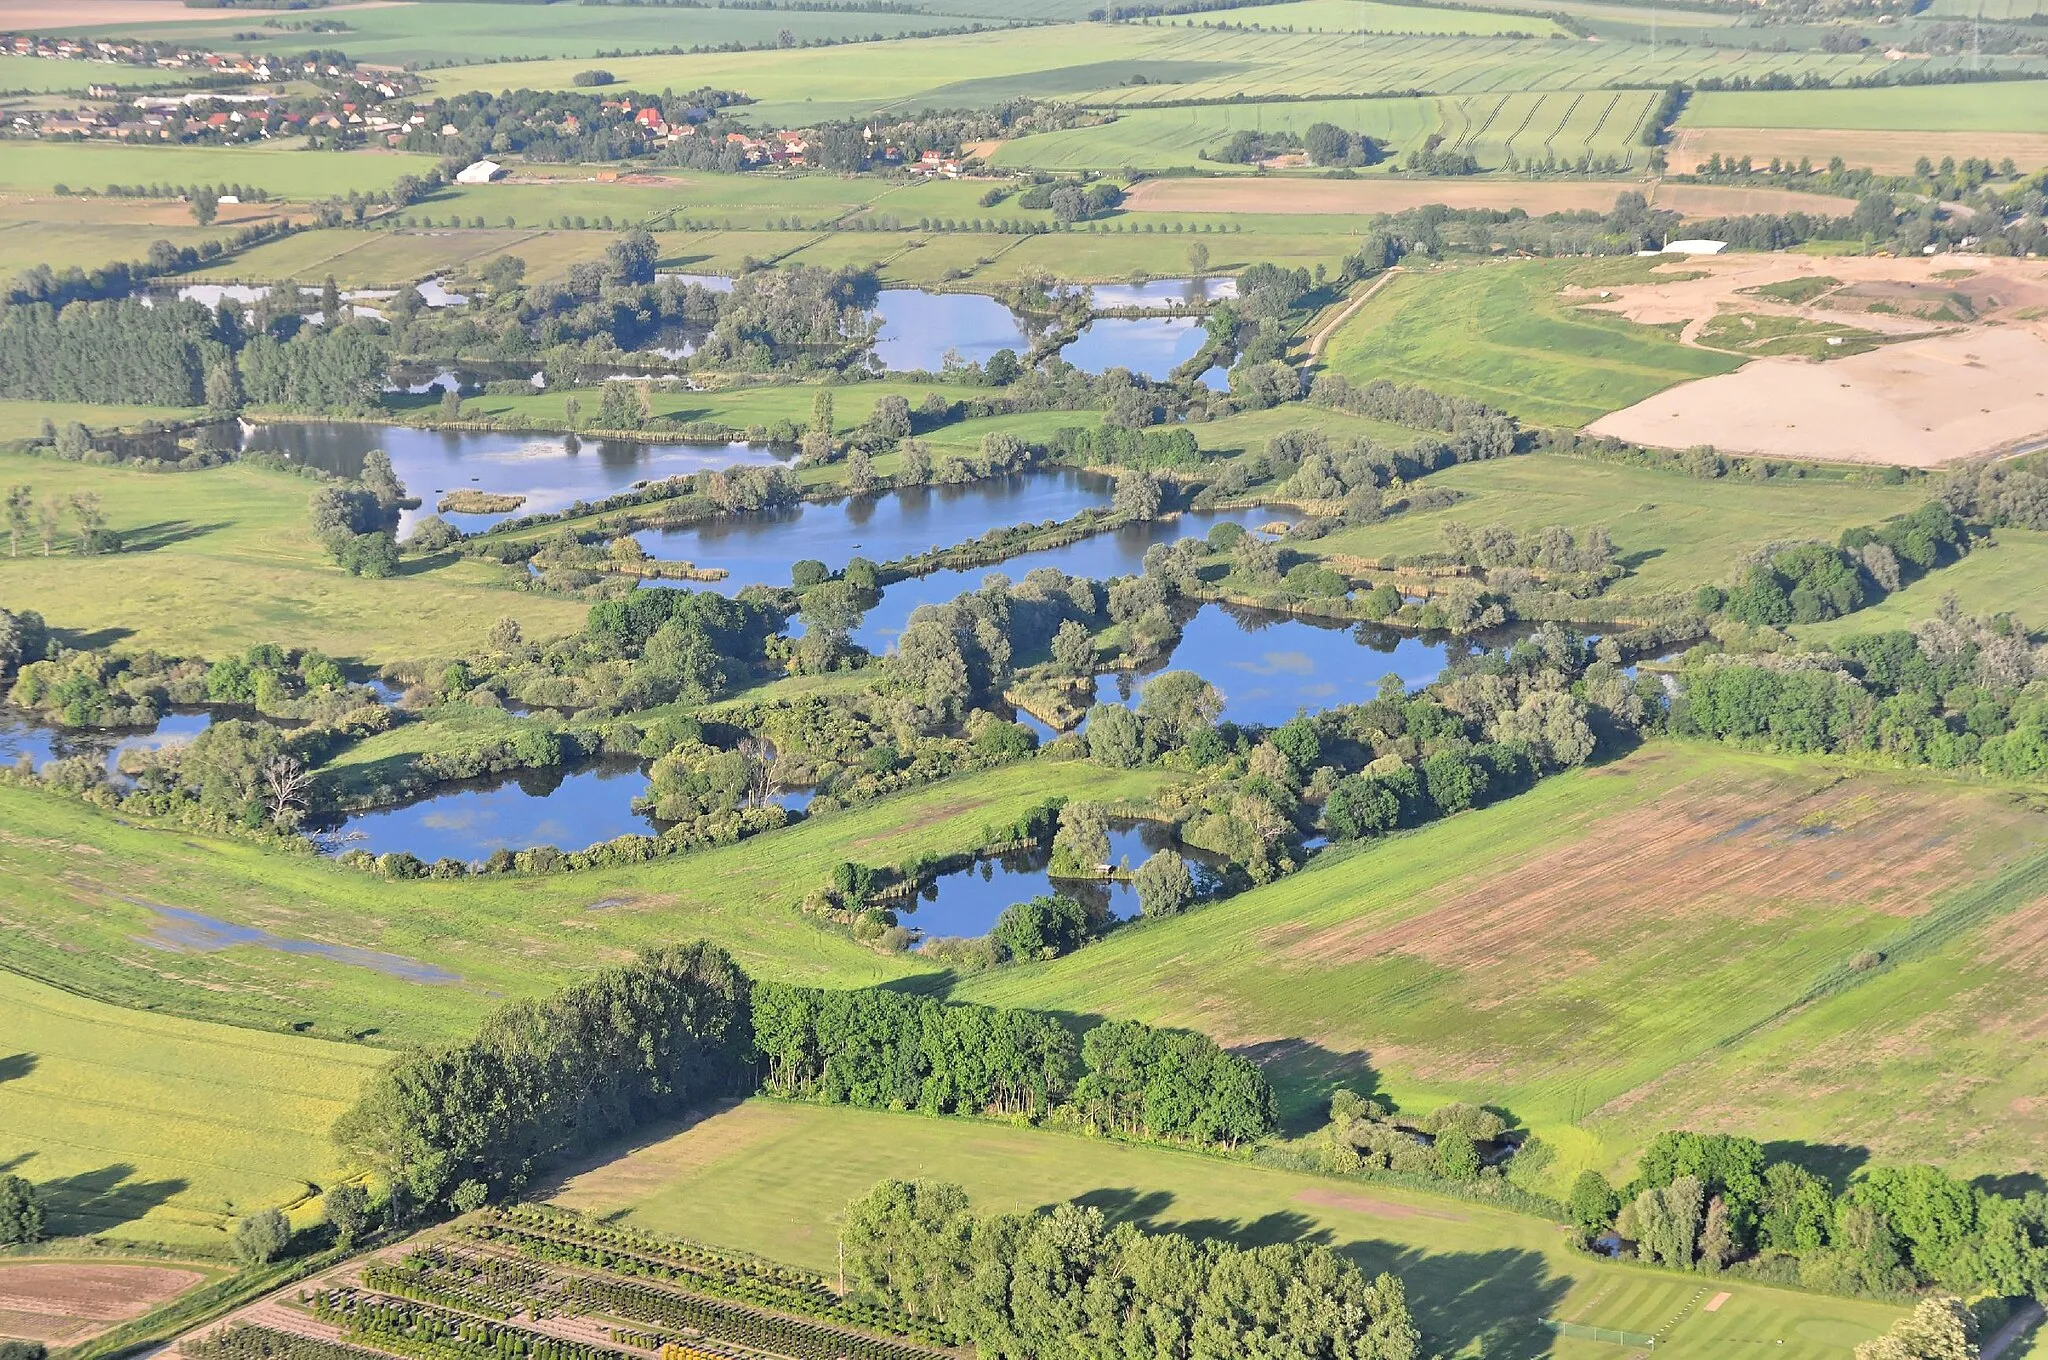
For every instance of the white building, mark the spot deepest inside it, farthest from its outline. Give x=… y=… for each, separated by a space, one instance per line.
x=483 y=172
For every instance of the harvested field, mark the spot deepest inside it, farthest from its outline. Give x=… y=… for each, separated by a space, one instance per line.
x=1888 y=153
x=1367 y=195
x=62 y=1303
x=1918 y=403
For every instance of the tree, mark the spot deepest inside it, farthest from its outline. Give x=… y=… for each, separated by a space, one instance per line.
x=620 y=406
x=223 y=389
x=1115 y=737
x=821 y=413
x=890 y=420
x=905 y=1242
x=49 y=519
x=332 y=313
x=261 y=1237
x=1591 y=1204
x=631 y=258
x=1073 y=648
x=1165 y=887
x=1137 y=496
x=1042 y=928
x=21 y=1212
x=1717 y=1238
x=20 y=516
x=205 y=205
x=1081 y=845
x=1457 y=1158
x=1327 y=144
x=1198 y=259
x=74 y=441
x=348 y=1212
x=1938 y=1329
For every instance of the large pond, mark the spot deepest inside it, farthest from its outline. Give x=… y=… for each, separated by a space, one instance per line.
x=760 y=548
x=1162 y=294
x=1119 y=552
x=25 y=734
x=920 y=328
x=967 y=901
x=1270 y=666
x=553 y=471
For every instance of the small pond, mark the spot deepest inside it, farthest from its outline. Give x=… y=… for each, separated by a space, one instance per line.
x=23 y=733
x=468 y=819
x=1152 y=346
x=760 y=548
x=1120 y=552
x=967 y=901
x=1269 y=666
x=553 y=471
x=918 y=328
x=712 y=283
x=1162 y=294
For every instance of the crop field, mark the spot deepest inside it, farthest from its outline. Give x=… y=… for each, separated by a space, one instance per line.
x=285 y=171
x=82 y=922
x=1571 y=956
x=67 y=1301
x=220 y=559
x=1371 y=16
x=38 y=75
x=429 y=33
x=2019 y=106
x=1998 y=11
x=151 y=1126
x=1505 y=336
x=1673 y=532
x=767 y=1176
x=1487 y=126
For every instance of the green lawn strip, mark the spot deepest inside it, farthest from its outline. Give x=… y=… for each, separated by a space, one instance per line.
x=2021 y=106
x=157 y=1127
x=1361 y=975
x=1503 y=334
x=1675 y=532
x=222 y=558
x=24 y=419
x=768 y=1177
x=78 y=917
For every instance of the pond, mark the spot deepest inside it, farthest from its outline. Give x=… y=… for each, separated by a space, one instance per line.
x=760 y=548
x=468 y=819
x=553 y=471
x=918 y=328
x=711 y=283
x=966 y=902
x=23 y=733
x=1151 y=346
x=1269 y=666
x=1119 y=552
x=1162 y=294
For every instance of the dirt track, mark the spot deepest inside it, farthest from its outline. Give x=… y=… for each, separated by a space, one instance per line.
x=1372 y=195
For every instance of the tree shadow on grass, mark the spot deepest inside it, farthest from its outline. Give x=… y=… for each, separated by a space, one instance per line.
x=98 y=640
x=1834 y=1163
x=92 y=1201
x=15 y=1066
x=164 y=533
x=1487 y=1303
x=1305 y=1075
x=2013 y=1185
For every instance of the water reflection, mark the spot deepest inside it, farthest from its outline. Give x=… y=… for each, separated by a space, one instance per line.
x=552 y=471
x=26 y=734
x=918 y=328
x=1162 y=294
x=760 y=548
x=468 y=819
x=1152 y=346
x=967 y=901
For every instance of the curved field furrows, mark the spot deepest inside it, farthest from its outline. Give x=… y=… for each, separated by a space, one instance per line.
x=1549 y=147
x=1508 y=146
x=1478 y=134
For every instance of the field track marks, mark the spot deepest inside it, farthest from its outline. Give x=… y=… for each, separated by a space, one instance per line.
x=1322 y=335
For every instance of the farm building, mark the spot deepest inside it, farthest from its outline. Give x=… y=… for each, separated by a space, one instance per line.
x=482 y=172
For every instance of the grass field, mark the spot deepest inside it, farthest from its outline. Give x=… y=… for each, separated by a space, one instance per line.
x=1370 y=16
x=24 y=419
x=284 y=171
x=77 y=918
x=2006 y=576
x=1674 y=532
x=769 y=1177
x=1624 y=950
x=220 y=559
x=39 y=75
x=1504 y=335
x=2018 y=106
x=159 y=1128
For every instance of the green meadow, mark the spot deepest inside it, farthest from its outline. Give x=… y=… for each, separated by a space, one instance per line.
x=1585 y=956
x=767 y=1177
x=160 y=1128
x=2003 y=576
x=2018 y=106
x=1506 y=335
x=283 y=170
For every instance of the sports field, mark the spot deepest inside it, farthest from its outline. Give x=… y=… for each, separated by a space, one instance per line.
x=1626 y=949
x=767 y=1177
x=1503 y=334
x=154 y=1127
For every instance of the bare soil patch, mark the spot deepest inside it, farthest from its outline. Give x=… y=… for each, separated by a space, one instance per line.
x=1888 y=153
x=67 y=1302
x=1378 y=1208
x=1917 y=403
x=1745 y=850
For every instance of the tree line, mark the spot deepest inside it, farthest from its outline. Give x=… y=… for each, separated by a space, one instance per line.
x=1066 y=1284
x=885 y=1050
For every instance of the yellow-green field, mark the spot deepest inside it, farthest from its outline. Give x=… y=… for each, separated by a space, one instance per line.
x=284 y=170
x=159 y=1128
x=2008 y=575
x=769 y=1177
